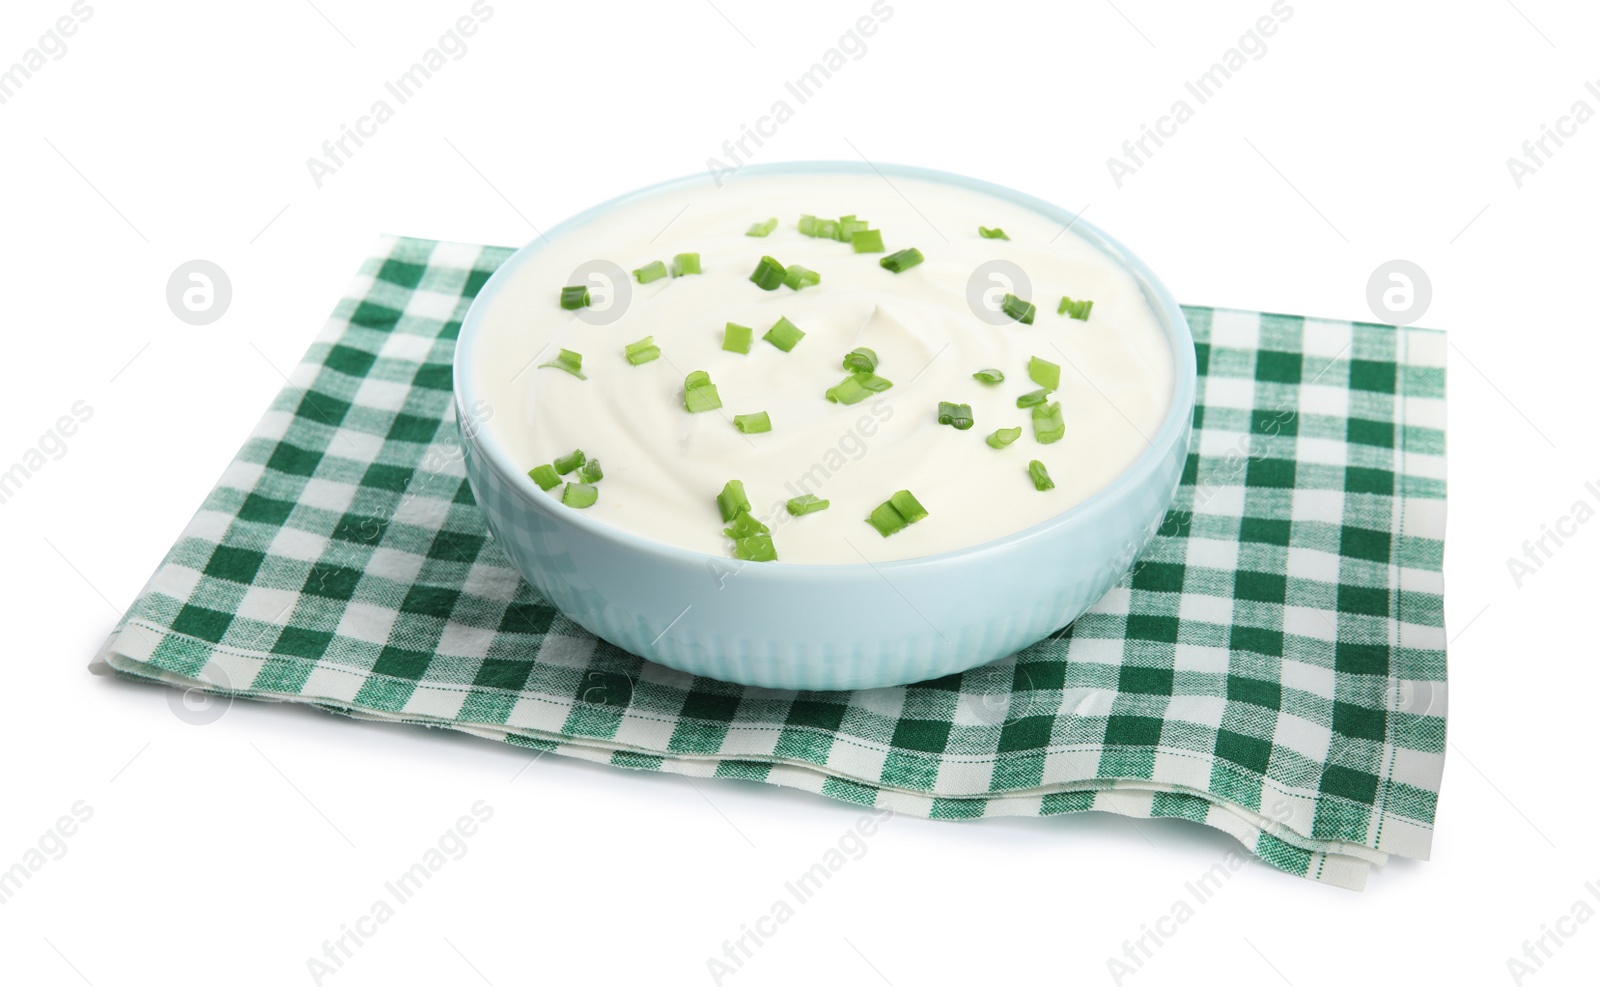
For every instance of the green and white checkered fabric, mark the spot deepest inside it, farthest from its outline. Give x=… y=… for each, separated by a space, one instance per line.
x=1274 y=665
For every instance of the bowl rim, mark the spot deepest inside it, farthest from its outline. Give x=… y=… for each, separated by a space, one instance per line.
x=1174 y=425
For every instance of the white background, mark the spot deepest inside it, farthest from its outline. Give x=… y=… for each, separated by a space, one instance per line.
x=228 y=853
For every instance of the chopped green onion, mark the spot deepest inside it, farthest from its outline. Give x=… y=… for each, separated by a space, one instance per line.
x=808 y=225
x=908 y=506
x=861 y=360
x=768 y=274
x=1048 y=425
x=699 y=394
x=1018 y=309
x=731 y=501
x=756 y=548
x=827 y=229
x=895 y=513
x=569 y=361
x=1044 y=373
x=857 y=387
x=798 y=277
x=992 y=233
x=1002 y=437
x=545 y=476
x=736 y=338
x=1076 y=310
x=653 y=271
x=749 y=424
x=762 y=229
x=575 y=296
x=1041 y=478
x=901 y=260
x=744 y=525
x=867 y=241
x=579 y=495
x=959 y=415
x=784 y=334
x=643 y=351
x=685 y=264
x=849 y=226
x=590 y=472
x=566 y=464
x=989 y=376
x=806 y=504
x=1033 y=399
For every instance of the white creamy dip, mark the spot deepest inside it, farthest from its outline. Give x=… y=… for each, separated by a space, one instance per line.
x=663 y=466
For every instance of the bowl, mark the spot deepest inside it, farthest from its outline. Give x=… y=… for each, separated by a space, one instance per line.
x=828 y=627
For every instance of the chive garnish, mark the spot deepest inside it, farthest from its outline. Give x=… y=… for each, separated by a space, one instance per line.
x=731 y=501
x=901 y=260
x=569 y=361
x=590 y=472
x=895 y=513
x=736 y=338
x=1041 y=478
x=861 y=360
x=867 y=241
x=808 y=225
x=784 y=334
x=827 y=229
x=958 y=415
x=575 y=296
x=907 y=505
x=989 y=376
x=798 y=277
x=643 y=351
x=1018 y=309
x=768 y=274
x=744 y=525
x=857 y=387
x=1044 y=373
x=756 y=548
x=1002 y=437
x=653 y=271
x=1048 y=425
x=762 y=229
x=806 y=504
x=545 y=476
x=579 y=494
x=566 y=464
x=1033 y=399
x=992 y=233
x=699 y=394
x=848 y=227
x=1076 y=310
x=752 y=423
x=685 y=264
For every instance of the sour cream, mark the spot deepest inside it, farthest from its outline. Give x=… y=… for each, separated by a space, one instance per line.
x=932 y=326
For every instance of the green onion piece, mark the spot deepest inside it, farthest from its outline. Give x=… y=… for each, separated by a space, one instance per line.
x=1044 y=373
x=569 y=361
x=575 y=296
x=908 y=506
x=806 y=504
x=579 y=495
x=989 y=376
x=736 y=338
x=828 y=229
x=798 y=277
x=895 y=513
x=808 y=225
x=856 y=388
x=1017 y=308
x=1041 y=478
x=867 y=241
x=653 y=271
x=992 y=233
x=861 y=360
x=731 y=501
x=744 y=525
x=699 y=394
x=901 y=260
x=848 y=227
x=685 y=264
x=768 y=274
x=756 y=548
x=566 y=464
x=1033 y=399
x=643 y=351
x=545 y=476
x=784 y=334
x=762 y=229
x=1076 y=310
x=1002 y=437
x=958 y=415
x=1048 y=425
x=590 y=472
x=752 y=423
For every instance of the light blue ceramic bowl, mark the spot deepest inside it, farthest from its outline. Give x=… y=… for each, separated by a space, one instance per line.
x=830 y=626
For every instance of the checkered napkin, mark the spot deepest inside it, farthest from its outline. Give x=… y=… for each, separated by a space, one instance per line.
x=1273 y=666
